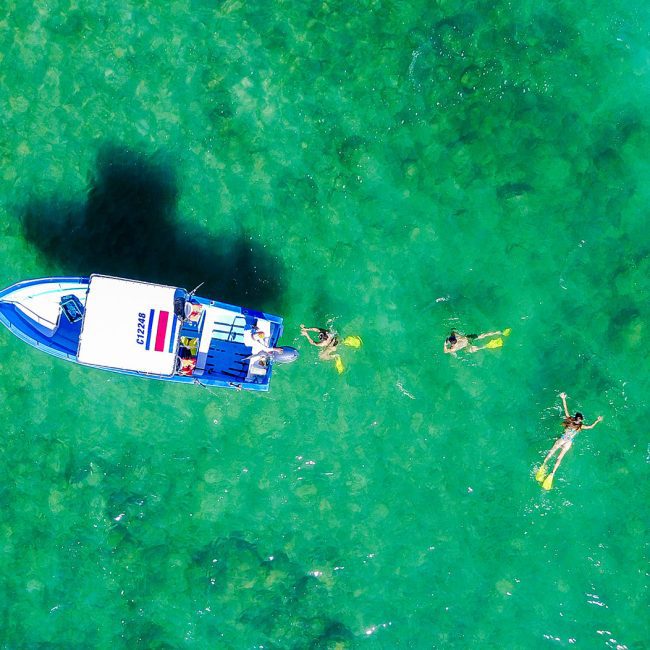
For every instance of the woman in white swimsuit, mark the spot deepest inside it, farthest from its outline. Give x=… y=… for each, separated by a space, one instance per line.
x=572 y=427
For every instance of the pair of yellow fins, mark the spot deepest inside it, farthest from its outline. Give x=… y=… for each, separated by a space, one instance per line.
x=543 y=478
x=351 y=342
x=498 y=343
x=356 y=342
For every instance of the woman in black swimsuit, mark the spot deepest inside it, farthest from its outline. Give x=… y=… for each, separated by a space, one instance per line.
x=457 y=341
x=327 y=341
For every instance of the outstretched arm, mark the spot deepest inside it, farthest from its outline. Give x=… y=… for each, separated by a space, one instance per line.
x=304 y=333
x=566 y=410
x=591 y=426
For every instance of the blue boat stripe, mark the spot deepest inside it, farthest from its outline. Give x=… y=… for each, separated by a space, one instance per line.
x=149 y=328
x=171 y=338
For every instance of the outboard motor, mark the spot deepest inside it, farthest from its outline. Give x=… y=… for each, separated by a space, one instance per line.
x=287 y=355
x=180 y=298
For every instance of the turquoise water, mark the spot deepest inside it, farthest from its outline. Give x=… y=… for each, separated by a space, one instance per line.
x=397 y=169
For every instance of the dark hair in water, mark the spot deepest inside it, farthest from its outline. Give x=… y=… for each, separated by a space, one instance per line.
x=574 y=422
x=452 y=337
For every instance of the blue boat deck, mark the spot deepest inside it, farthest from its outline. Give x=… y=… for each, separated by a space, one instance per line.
x=67 y=335
x=64 y=341
x=227 y=357
x=226 y=360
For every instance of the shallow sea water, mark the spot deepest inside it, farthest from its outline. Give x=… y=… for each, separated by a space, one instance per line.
x=396 y=169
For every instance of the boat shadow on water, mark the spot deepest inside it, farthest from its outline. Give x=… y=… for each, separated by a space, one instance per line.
x=128 y=227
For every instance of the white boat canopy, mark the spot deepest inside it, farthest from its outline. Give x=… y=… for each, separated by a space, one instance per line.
x=129 y=325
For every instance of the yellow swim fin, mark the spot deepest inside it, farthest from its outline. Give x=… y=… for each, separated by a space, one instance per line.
x=353 y=341
x=548 y=482
x=496 y=343
x=506 y=331
x=338 y=364
x=541 y=473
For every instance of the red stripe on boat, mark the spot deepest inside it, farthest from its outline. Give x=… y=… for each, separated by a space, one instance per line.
x=161 y=331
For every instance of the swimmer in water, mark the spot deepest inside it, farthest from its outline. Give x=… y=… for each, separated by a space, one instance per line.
x=457 y=341
x=572 y=424
x=327 y=341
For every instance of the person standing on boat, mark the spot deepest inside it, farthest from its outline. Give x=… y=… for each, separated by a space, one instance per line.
x=572 y=427
x=457 y=341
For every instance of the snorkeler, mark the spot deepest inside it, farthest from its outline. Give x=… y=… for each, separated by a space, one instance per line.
x=572 y=427
x=327 y=341
x=457 y=341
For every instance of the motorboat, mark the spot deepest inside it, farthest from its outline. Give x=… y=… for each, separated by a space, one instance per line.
x=146 y=329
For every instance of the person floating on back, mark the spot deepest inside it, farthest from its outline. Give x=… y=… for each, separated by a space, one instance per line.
x=457 y=341
x=572 y=427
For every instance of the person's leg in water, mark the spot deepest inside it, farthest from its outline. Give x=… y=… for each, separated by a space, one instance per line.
x=495 y=343
x=541 y=476
x=564 y=450
x=486 y=334
x=328 y=353
x=541 y=472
